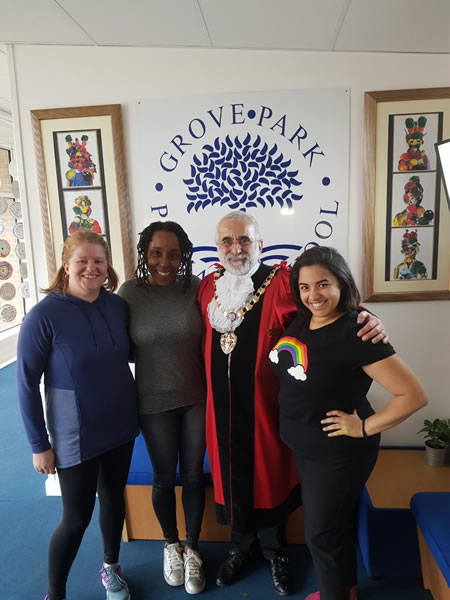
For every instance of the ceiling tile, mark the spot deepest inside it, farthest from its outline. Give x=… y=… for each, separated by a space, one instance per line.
x=290 y=24
x=396 y=26
x=140 y=23
x=38 y=22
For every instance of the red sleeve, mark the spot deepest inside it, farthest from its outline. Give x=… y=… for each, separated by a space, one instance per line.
x=204 y=296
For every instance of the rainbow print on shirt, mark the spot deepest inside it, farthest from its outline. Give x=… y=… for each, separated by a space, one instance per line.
x=299 y=355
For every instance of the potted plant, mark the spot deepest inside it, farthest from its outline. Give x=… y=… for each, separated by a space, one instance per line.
x=445 y=435
x=436 y=433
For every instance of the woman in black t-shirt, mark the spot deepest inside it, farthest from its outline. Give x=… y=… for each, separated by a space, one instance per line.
x=325 y=371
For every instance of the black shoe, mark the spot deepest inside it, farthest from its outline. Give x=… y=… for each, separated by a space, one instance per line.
x=231 y=567
x=280 y=576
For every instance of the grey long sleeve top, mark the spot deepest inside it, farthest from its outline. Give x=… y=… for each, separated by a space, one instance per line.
x=166 y=330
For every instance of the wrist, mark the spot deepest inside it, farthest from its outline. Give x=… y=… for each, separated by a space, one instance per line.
x=363 y=428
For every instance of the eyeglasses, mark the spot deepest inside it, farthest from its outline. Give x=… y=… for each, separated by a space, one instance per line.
x=243 y=242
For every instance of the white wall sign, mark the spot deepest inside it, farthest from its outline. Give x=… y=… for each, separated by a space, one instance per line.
x=280 y=155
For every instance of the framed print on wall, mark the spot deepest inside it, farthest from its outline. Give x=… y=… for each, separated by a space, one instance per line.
x=81 y=171
x=407 y=246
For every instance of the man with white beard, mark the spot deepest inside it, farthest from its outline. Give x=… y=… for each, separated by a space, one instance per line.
x=246 y=307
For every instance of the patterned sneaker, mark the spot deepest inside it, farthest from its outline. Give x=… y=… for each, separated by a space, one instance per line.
x=173 y=564
x=194 y=576
x=115 y=585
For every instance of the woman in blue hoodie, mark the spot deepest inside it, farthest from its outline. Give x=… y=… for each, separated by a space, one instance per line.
x=76 y=337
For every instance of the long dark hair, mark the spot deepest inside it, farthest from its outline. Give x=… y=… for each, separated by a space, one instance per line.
x=330 y=259
x=145 y=237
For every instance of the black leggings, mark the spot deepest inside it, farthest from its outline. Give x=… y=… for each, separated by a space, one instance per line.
x=107 y=475
x=172 y=435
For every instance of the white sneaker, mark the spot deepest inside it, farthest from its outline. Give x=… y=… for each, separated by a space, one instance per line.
x=194 y=575
x=173 y=564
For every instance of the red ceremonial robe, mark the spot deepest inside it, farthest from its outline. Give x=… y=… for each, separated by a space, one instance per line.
x=255 y=484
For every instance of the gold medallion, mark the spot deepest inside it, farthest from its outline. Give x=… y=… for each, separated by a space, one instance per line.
x=228 y=342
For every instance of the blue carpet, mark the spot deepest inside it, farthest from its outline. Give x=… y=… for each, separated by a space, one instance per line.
x=28 y=518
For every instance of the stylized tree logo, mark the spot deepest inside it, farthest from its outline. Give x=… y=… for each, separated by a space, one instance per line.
x=242 y=175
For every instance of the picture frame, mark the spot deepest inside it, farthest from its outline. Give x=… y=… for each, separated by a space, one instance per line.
x=406 y=218
x=81 y=171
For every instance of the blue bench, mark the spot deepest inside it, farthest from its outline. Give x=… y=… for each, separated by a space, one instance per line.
x=431 y=511
x=387 y=540
x=140 y=520
x=141 y=470
x=386 y=527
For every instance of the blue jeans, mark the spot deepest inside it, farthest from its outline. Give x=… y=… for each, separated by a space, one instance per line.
x=173 y=436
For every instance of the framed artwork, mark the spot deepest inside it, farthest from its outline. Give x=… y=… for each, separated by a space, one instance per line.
x=80 y=159
x=406 y=217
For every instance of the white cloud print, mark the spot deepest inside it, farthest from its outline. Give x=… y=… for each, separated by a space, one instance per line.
x=273 y=356
x=298 y=372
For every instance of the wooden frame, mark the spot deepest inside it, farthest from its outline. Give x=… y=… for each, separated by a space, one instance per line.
x=385 y=173
x=89 y=191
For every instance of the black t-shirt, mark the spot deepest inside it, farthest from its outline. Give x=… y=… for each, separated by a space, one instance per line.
x=320 y=370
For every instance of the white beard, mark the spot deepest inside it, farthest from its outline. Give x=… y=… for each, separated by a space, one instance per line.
x=242 y=263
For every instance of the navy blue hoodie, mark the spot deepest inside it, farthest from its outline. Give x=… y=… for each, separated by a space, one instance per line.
x=82 y=350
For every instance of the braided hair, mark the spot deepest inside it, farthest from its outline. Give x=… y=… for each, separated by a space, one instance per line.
x=145 y=237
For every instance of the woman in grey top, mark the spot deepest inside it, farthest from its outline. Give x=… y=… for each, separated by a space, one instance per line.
x=166 y=331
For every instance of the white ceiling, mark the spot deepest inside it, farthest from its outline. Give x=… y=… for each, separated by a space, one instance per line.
x=421 y=26
x=328 y=25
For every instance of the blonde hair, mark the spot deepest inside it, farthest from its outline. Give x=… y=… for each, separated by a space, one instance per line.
x=60 y=282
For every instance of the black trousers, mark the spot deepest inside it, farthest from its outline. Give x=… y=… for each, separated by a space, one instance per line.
x=106 y=475
x=173 y=436
x=330 y=492
x=272 y=540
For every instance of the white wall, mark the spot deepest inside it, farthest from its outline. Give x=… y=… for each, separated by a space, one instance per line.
x=55 y=76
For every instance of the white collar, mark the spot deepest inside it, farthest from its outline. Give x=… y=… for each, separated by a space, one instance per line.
x=233 y=291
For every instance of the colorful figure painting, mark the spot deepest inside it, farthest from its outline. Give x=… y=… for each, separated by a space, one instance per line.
x=414 y=159
x=410 y=267
x=82 y=219
x=414 y=213
x=81 y=166
x=412 y=197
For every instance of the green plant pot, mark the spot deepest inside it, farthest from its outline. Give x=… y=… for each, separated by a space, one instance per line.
x=436 y=457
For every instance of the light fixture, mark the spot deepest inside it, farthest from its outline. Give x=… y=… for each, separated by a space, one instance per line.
x=285 y=211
